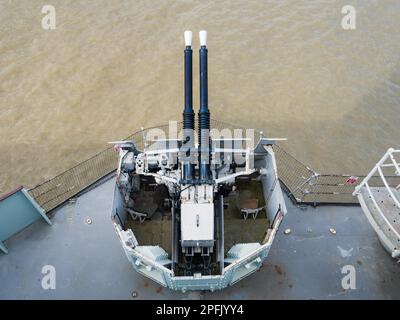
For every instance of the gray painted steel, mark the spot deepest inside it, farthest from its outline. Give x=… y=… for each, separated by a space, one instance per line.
x=90 y=263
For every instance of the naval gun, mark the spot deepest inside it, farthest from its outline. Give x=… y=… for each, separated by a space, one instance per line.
x=181 y=206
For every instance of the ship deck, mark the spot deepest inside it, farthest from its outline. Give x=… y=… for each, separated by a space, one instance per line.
x=304 y=264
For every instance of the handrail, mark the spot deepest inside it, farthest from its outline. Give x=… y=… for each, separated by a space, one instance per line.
x=380 y=211
x=302 y=184
x=377 y=167
x=395 y=164
x=388 y=188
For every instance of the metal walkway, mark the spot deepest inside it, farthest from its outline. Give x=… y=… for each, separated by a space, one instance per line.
x=90 y=263
x=381 y=204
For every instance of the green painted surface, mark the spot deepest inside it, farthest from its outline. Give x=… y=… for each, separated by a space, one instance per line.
x=18 y=211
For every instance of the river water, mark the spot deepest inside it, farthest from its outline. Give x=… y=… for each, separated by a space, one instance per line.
x=111 y=67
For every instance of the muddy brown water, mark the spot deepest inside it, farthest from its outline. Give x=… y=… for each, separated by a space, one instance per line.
x=111 y=67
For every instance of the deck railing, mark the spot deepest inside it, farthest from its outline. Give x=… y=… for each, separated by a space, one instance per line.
x=301 y=183
x=392 y=170
x=387 y=169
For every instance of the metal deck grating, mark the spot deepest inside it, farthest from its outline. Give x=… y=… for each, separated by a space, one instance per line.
x=389 y=209
x=301 y=183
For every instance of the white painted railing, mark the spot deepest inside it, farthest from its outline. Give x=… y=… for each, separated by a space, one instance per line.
x=378 y=168
x=382 y=163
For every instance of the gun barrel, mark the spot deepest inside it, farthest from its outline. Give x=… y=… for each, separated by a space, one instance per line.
x=188 y=113
x=204 y=113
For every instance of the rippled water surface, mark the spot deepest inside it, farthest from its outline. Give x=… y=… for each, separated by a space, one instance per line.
x=111 y=67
